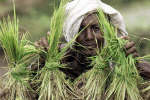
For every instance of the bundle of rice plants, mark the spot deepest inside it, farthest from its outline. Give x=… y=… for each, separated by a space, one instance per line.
x=96 y=79
x=53 y=84
x=123 y=80
x=19 y=55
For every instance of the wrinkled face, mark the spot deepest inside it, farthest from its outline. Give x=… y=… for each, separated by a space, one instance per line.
x=91 y=37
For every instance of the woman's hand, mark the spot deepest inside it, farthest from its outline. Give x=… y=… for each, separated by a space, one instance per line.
x=42 y=43
x=130 y=48
x=144 y=69
x=4 y=94
x=142 y=66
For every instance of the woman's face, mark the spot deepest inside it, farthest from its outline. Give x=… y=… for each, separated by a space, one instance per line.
x=91 y=37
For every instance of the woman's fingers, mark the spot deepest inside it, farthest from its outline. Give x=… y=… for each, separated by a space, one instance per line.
x=129 y=45
x=42 y=43
x=135 y=54
x=125 y=37
x=130 y=49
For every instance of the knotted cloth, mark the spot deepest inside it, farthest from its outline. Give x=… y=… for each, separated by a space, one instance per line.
x=76 y=11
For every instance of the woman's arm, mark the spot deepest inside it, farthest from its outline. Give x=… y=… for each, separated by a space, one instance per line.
x=144 y=69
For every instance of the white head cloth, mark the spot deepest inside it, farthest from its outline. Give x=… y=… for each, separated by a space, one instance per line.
x=76 y=11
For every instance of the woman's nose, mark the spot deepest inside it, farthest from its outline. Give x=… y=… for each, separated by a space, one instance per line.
x=89 y=34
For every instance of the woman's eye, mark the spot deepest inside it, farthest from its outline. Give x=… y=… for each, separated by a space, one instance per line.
x=81 y=28
x=96 y=28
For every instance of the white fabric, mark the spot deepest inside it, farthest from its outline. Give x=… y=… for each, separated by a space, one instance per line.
x=76 y=10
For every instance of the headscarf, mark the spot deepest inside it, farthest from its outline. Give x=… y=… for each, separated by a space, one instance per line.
x=76 y=11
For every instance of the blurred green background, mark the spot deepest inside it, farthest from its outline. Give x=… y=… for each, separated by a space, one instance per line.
x=34 y=17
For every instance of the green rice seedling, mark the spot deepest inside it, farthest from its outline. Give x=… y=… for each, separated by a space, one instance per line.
x=123 y=80
x=53 y=84
x=19 y=55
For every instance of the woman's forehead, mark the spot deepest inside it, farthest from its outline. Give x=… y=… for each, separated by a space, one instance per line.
x=89 y=19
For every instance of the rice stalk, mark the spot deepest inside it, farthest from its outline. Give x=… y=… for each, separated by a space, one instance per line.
x=146 y=88
x=147 y=57
x=53 y=84
x=19 y=55
x=124 y=77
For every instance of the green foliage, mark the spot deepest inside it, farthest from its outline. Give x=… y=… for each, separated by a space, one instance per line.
x=114 y=76
x=53 y=83
x=56 y=27
x=19 y=55
x=124 y=77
